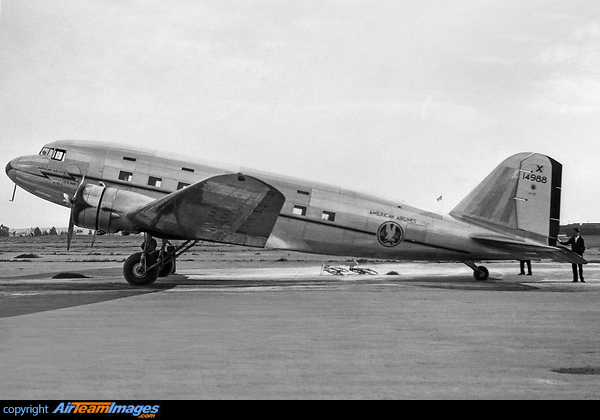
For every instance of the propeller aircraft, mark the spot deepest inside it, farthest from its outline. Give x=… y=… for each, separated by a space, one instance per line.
x=513 y=214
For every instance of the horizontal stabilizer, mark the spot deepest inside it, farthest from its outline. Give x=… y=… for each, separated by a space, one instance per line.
x=568 y=256
x=234 y=208
x=514 y=245
x=511 y=244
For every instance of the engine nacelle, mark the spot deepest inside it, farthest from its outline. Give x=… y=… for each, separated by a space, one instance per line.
x=105 y=209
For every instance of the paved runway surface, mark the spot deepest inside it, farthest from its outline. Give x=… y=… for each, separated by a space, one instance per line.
x=289 y=332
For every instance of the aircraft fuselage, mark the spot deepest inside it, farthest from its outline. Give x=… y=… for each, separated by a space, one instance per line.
x=315 y=218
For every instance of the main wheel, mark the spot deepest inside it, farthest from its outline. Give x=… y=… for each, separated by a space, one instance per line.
x=136 y=274
x=481 y=273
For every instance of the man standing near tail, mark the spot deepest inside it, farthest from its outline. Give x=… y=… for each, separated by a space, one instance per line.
x=577 y=246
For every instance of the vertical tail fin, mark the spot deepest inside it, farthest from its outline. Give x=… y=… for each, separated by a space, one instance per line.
x=521 y=196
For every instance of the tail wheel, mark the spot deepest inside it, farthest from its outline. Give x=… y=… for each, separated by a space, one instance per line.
x=481 y=273
x=135 y=273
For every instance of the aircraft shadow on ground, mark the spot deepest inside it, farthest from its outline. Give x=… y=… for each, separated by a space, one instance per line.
x=457 y=282
x=20 y=297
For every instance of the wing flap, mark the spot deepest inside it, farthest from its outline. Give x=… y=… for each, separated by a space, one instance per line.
x=233 y=208
x=556 y=253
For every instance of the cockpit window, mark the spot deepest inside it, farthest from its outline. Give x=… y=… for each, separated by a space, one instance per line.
x=55 y=154
x=59 y=154
x=46 y=151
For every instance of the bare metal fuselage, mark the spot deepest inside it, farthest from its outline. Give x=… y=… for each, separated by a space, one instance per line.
x=315 y=218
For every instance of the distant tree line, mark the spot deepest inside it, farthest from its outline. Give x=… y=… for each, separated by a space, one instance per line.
x=5 y=232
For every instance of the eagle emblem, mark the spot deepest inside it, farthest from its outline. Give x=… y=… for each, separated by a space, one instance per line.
x=390 y=234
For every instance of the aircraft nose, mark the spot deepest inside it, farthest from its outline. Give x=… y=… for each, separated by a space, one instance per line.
x=11 y=166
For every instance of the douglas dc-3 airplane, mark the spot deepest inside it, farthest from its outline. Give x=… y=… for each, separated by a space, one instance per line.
x=513 y=214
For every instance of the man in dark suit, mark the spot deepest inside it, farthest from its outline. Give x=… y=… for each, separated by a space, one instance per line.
x=523 y=262
x=577 y=246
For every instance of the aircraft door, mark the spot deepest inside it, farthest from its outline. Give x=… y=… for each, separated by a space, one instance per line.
x=415 y=232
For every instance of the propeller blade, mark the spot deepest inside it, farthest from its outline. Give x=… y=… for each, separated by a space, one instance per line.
x=71 y=202
x=70 y=232
x=94 y=238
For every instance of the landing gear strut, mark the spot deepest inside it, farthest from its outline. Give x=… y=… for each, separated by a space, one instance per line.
x=479 y=271
x=165 y=258
x=143 y=268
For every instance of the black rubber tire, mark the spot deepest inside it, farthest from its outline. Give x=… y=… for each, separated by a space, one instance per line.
x=481 y=274
x=133 y=274
x=164 y=269
x=167 y=269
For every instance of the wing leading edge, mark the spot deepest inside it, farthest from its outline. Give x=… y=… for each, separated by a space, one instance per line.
x=233 y=208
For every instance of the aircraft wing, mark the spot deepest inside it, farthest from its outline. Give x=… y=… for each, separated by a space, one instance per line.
x=233 y=208
x=556 y=253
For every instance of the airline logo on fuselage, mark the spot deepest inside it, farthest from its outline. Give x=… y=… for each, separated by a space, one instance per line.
x=390 y=234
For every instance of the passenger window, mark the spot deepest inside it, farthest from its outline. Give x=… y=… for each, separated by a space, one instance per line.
x=299 y=210
x=328 y=215
x=182 y=185
x=154 y=182
x=125 y=176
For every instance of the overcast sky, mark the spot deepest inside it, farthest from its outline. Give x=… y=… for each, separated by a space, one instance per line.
x=407 y=100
